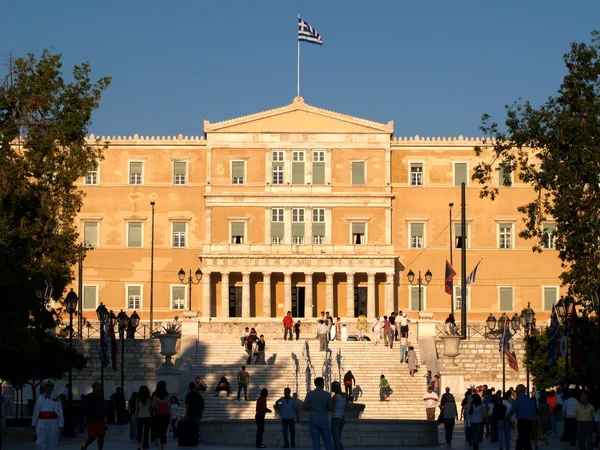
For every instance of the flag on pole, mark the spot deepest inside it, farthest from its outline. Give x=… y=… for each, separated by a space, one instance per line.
x=575 y=339
x=553 y=338
x=508 y=352
x=307 y=33
x=450 y=273
x=473 y=275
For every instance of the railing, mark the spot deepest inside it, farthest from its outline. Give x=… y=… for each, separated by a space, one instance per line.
x=91 y=330
x=301 y=249
x=478 y=329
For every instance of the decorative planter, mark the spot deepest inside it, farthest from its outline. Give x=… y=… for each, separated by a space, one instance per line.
x=168 y=344
x=451 y=348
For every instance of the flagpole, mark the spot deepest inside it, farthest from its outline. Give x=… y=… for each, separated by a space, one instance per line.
x=298 y=90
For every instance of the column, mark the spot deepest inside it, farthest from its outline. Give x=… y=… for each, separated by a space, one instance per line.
x=370 y=295
x=350 y=295
x=246 y=294
x=329 y=293
x=389 y=292
x=287 y=292
x=225 y=294
x=206 y=294
x=287 y=214
x=308 y=295
x=388 y=226
x=208 y=219
x=267 y=294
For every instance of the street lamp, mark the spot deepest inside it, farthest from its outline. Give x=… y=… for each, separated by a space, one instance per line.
x=526 y=319
x=190 y=281
x=420 y=283
x=134 y=321
x=103 y=316
x=563 y=308
x=122 y=319
x=514 y=323
x=71 y=302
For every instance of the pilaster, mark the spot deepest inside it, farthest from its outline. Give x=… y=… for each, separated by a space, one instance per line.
x=224 y=294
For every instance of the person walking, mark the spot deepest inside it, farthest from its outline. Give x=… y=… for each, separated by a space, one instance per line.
x=132 y=410
x=430 y=398
x=498 y=414
x=162 y=413
x=175 y=415
x=250 y=341
x=524 y=409
x=194 y=407
x=288 y=324
x=118 y=401
x=412 y=361
x=323 y=333
x=584 y=415
x=376 y=329
x=318 y=403
x=361 y=325
x=261 y=346
x=544 y=417
x=505 y=426
x=403 y=348
x=243 y=382
x=449 y=416
x=384 y=389
x=477 y=416
x=568 y=411
x=261 y=411
x=297 y=327
x=404 y=321
x=349 y=383
x=144 y=417
x=288 y=412
x=48 y=418
x=386 y=329
x=339 y=405
x=95 y=412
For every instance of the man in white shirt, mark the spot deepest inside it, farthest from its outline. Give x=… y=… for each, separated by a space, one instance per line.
x=568 y=413
x=430 y=399
x=404 y=321
x=323 y=333
x=505 y=425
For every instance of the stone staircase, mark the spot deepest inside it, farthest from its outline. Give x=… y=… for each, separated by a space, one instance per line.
x=296 y=364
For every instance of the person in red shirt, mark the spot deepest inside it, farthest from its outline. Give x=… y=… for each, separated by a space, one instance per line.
x=261 y=411
x=288 y=324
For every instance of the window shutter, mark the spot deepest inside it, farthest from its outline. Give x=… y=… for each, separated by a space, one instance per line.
x=134 y=290
x=179 y=168
x=414 y=298
x=297 y=173
x=135 y=167
x=298 y=229
x=457 y=230
x=237 y=169
x=178 y=227
x=278 y=165
x=550 y=297
x=318 y=173
x=358 y=172
x=135 y=234
x=178 y=292
x=416 y=167
x=506 y=299
x=501 y=173
x=460 y=174
x=89 y=297
x=358 y=228
x=416 y=229
x=277 y=229
x=318 y=229
x=506 y=225
x=237 y=228
x=90 y=234
x=549 y=228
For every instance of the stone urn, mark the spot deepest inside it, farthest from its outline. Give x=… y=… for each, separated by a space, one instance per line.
x=451 y=348
x=168 y=346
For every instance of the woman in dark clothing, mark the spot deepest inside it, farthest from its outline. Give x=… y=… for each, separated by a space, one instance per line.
x=144 y=417
x=261 y=410
x=132 y=409
x=162 y=413
x=349 y=382
x=223 y=385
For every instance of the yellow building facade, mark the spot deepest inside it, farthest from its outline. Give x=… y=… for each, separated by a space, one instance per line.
x=305 y=210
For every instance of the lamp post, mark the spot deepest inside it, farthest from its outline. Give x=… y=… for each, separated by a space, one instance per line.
x=420 y=283
x=526 y=319
x=491 y=323
x=103 y=316
x=133 y=323
x=563 y=308
x=71 y=302
x=190 y=281
x=152 y=203
x=122 y=319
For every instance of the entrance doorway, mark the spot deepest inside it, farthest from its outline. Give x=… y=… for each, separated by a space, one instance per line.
x=360 y=300
x=297 y=302
x=235 y=301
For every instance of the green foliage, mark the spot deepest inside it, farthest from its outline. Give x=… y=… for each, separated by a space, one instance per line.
x=172 y=328
x=43 y=152
x=555 y=149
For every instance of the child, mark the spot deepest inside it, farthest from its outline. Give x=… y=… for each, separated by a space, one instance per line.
x=383 y=389
x=297 y=326
x=175 y=414
x=245 y=334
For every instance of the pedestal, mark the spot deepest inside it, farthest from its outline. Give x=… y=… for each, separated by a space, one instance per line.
x=426 y=325
x=173 y=376
x=190 y=327
x=455 y=380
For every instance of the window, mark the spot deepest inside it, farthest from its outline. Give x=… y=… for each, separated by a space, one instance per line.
x=461 y=174
x=506 y=298
x=502 y=181
x=414 y=298
x=550 y=297
x=90 y=234
x=297 y=167
x=91 y=177
x=318 y=175
x=134 y=297
x=358 y=233
x=179 y=172
x=237 y=232
x=277 y=158
x=416 y=174
x=417 y=235
x=238 y=170
x=135 y=172
x=90 y=297
x=179 y=232
x=298 y=225
x=458 y=237
x=457 y=297
x=358 y=172
x=177 y=297
x=318 y=226
x=505 y=235
x=277 y=226
x=548 y=231
x=134 y=234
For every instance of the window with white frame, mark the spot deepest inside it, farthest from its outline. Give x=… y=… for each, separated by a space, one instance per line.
x=505 y=235
x=416 y=174
x=277 y=166
x=90 y=234
x=178 y=297
x=238 y=171
x=550 y=297
x=506 y=298
x=461 y=174
x=318 y=163
x=179 y=234
x=417 y=235
x=297 y=167
x=134 y=234
x=136 y=170
x=457 y=296
x=297 y=225
x=134 y=297
x=277 y=226
x=318 y=225
x=238 y=230
x=415 y=304
x=91 y=177
x=503 y=180
x=179 y=172
x=358 y=172
x=359 y=233
x=548 y=232
x=90 y=297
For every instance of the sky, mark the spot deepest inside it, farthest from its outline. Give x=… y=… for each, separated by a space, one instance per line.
x=434 y=67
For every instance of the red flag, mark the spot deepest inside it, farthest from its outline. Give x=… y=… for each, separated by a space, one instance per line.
x=450 y=273
x=113 y=342
x=575 y=340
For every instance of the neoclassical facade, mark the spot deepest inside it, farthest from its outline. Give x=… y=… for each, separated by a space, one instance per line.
x=303 y=209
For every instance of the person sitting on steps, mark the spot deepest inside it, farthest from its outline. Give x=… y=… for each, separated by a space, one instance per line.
x=223 y=385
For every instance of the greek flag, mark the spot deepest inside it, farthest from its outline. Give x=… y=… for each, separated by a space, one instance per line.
x=308 y=34
x=553 y=338
x=473 y=275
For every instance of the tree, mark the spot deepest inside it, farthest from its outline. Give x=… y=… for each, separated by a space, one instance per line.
x=555 y=148
x=43 y=152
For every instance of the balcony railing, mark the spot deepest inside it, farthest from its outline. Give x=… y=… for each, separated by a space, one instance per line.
x=297 y=249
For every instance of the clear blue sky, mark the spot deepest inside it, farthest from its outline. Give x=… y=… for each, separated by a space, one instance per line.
x=431 y=66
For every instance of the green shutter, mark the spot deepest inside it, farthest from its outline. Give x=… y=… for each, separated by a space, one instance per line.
x=460 y=174
x=135 y=234
x=89 y=297
x=416 y=229
x=237 y=169
x=90 y=234
x=237 y=228
x=358 y=172
x=134 y=291
x=414 y=298
x=501 y=173
x=298 y=229
x=550 y=297
x=178 y=227
x=318 y=229
x=277 y=229
x=178 y=292
x=506 y=299
x=179 y=168
x=358 y=228
x=135 y=167
x=457 y=229
x=278 y=165
x=297 y=173
x=319 y=173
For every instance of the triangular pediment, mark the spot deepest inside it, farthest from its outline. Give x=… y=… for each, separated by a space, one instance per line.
x=298 y=118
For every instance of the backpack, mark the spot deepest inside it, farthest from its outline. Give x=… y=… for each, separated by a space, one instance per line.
x=499 y=411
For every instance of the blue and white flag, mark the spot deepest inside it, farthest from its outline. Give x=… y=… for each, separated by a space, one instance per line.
x=506 y=348
x=473 y=275
x=553 y=338
x=307 y=33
